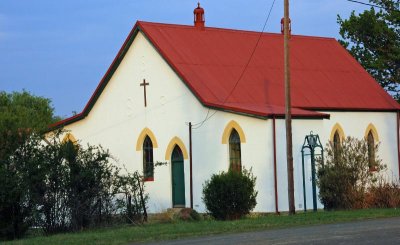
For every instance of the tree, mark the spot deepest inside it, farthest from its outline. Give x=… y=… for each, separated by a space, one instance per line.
x=17 y=178
x=373 y=38
x=21 y=115
x=24 y=110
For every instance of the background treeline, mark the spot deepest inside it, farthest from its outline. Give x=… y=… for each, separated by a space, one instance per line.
x=55 y=185
x=373 y=39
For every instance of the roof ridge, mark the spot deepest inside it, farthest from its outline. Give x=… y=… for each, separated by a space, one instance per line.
x=234 y=30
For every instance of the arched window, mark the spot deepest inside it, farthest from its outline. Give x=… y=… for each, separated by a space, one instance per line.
x=336 y=145
x=336 y=139
x=69 y=138
x=148 y=165
x=70 y=147
x=372 y=137
x=235 y=162
x=371 y=151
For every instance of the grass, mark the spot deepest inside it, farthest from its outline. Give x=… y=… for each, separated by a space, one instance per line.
x=174 y=230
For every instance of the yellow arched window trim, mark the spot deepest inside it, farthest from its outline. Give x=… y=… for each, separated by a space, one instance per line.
x=175 y=141
x=339 y=129
x=145 y=132
x=372 y=128
x=69 y=137
x=228 y=129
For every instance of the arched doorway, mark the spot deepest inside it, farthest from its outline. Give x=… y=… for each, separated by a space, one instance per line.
x=178 y=178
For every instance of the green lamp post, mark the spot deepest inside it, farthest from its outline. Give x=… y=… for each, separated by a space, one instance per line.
x=311 y=142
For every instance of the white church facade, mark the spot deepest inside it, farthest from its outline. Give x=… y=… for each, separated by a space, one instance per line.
x=166 y=76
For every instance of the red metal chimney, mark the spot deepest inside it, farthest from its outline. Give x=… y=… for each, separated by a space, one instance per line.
x=199 y=19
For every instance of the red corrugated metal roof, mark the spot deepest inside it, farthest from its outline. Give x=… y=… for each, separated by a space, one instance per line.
x=324 y=76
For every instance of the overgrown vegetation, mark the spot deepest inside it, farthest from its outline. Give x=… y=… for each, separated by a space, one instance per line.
x=21 y=114
x=62 y=186
x=383 y=195
x=347 y=181
x=53 y=185
x=133 y=201
x=230 y=195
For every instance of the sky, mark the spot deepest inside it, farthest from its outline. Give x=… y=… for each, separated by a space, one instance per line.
x=61 y=49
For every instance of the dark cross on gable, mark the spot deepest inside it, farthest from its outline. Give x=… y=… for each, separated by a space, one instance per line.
x=144 y=84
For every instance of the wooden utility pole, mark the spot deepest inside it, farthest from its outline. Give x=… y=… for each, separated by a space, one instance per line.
x=288 y=112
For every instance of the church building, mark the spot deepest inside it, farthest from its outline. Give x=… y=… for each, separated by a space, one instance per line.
x=205 y=100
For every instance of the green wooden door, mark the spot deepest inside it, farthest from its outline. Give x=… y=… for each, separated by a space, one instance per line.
x=178 y=178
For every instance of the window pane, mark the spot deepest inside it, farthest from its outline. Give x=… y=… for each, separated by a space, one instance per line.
x=371 y=150
x=148 y=166
x=336 y=145
x=234 y=151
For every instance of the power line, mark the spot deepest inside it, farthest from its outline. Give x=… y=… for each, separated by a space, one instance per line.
x=368 y=4
x=243 y=71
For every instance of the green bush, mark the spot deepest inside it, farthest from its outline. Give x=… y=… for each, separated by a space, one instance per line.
x=346 y=174
x=230 y=195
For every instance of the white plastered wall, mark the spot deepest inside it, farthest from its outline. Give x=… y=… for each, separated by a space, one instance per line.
x=355 y=124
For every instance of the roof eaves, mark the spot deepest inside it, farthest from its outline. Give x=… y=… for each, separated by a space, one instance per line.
x=334 y=109
x=66 y=121
x=312 y=115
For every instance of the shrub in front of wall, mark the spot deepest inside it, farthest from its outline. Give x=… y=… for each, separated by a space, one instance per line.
x=187 y=214
x=344 y=178
x=384 y=194
x=230 y=195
